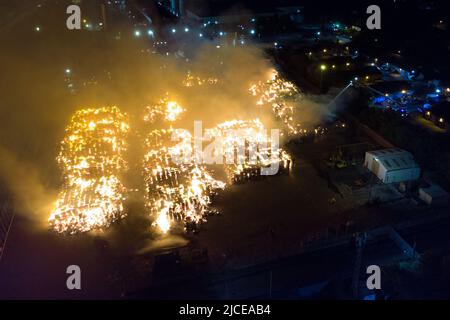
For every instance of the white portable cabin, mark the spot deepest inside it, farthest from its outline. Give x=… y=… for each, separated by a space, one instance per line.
x=392 y=165
x=433 y=194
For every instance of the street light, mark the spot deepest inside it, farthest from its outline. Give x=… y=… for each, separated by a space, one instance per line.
x=323 y=67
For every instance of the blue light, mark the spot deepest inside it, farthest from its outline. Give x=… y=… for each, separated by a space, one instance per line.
x=252 y=31
x=221 y=33
x=438 y=90
x=186 y=29
x=318 y=33
x=174 y=30
x=200 y=35
x=379 y=100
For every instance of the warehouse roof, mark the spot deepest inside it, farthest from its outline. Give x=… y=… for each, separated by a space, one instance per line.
x=394 y=159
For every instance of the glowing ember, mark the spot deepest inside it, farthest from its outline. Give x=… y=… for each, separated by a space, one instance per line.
x=175 y=192
x=257 y=151
x=91 y=159
x=166 y=110
x=283 y=97
x=192 y=81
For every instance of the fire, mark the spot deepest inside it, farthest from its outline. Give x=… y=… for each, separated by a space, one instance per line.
x=253 y=138
x=163 y=221
x=91 y=160
x=173 y=111
x=182 y=191
x=282 y=96
x=165 y=109
x=175 y=192
x=192 y=80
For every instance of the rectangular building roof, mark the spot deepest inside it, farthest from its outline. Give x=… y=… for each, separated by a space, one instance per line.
x=394 y=159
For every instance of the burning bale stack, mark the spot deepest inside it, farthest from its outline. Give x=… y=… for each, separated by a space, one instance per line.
x=176 y=191
x=92 y=161
x=281 y=96
x=248 y=149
